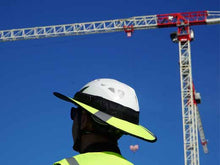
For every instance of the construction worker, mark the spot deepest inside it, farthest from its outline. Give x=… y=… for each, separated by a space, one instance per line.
x=105 y=110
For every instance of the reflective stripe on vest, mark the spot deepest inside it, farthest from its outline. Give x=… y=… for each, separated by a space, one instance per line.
x=67 y=161
x=95 y=158
x=72 y=161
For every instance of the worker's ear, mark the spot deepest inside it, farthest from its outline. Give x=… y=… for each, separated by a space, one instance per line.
x=86 y=123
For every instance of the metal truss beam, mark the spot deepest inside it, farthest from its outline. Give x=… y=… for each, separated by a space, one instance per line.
x=142 y=22
x=190 y=131
x=137 y=23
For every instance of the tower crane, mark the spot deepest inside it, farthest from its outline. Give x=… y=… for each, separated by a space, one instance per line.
x=184 y=35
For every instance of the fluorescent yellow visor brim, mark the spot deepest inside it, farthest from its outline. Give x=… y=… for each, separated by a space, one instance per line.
x=128 y=127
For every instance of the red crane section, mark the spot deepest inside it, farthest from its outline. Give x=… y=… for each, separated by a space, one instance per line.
x=178 y=19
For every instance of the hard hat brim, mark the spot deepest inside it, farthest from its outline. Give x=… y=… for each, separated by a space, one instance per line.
x=128 y=127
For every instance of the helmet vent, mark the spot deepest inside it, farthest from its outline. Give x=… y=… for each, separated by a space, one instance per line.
x=103 y=85
x=112 y=90
x=121 y=93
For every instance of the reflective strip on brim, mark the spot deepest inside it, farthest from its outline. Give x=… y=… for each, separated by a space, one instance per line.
x=133 y=129
x=105 y=117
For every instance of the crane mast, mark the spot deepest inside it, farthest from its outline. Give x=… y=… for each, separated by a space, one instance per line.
x=184 y=35
x=189 y=118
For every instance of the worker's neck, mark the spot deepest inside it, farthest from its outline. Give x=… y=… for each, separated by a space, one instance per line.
x=92 y=138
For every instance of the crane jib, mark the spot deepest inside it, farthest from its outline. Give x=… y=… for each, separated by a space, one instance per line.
x=128 y=25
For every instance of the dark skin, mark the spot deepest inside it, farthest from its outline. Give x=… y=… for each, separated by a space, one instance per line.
x=86 y=124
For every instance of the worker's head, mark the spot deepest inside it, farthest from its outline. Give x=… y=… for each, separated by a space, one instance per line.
x=89 y=128
x=107 y=107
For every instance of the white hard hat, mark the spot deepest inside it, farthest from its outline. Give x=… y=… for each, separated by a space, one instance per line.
x=114 y=91
x=114 y=103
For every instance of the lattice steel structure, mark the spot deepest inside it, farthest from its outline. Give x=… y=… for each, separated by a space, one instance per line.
x=183 y=36
x=190 y=133
x=133 y=23
x=142 y=22
x=197 y=100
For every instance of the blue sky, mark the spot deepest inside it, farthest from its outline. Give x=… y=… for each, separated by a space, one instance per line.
x=36 y=127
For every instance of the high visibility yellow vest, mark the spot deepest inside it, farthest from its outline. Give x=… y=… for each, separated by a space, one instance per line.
x=95 y=158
